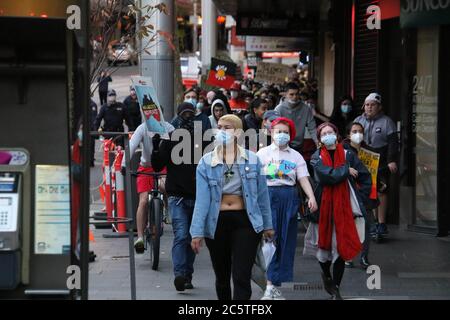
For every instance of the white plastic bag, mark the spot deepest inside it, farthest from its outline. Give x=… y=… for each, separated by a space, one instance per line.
x=268 y=249
x=264 y=255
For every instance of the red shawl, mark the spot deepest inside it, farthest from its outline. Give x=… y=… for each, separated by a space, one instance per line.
x=335 y=208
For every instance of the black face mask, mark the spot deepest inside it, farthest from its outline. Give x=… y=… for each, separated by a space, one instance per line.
x=187 y=124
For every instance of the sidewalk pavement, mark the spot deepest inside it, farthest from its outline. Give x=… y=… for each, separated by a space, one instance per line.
x=413 y=266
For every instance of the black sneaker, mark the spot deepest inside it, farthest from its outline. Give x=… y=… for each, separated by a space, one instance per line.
x=373 y=229
x=188 y=285
x=328 y=284
x=349 y=264
x=364 y=262
x=336 y=295
x=382 y=229
x=92 y=256
x=180 y=283
x=139 y=246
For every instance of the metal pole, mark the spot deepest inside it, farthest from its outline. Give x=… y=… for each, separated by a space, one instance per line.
x=195 y=35
x=130 y=216
x=84 y=212
x=159 y=65
x=209 y=34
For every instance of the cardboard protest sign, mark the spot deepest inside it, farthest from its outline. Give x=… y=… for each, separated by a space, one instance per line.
x=371 y=160
x=271 y=72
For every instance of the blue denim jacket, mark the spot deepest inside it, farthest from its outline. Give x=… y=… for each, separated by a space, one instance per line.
x=210 y=181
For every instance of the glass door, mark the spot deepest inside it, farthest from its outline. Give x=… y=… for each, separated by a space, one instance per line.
x=425 y=102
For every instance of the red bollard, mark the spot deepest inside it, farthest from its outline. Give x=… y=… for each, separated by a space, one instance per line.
x=120 y=190
x=107 y=172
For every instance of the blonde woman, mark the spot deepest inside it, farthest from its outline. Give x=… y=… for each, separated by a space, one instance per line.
x=233 y=211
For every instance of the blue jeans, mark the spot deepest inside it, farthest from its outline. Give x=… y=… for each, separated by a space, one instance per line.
x=183 y=256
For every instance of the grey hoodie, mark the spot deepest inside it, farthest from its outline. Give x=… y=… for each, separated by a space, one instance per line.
x=303 y=119
x=212 y=119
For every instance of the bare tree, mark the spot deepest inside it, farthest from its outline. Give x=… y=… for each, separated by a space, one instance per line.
x=121 y=21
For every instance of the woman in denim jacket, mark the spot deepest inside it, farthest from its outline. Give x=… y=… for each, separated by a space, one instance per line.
x=232 y=210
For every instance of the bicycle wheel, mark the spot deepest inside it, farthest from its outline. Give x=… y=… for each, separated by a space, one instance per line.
x=156 y=230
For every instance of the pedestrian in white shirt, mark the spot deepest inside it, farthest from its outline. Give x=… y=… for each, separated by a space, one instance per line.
x=284 y=167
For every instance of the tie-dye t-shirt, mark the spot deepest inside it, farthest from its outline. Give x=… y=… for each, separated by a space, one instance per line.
x=282 y=167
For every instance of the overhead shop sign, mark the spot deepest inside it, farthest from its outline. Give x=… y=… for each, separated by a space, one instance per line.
x=418 y=13
x=269 y=55
x=275 y=27
x=276 y=44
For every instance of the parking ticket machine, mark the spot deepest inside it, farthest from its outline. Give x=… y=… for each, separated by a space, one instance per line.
x=14 y=219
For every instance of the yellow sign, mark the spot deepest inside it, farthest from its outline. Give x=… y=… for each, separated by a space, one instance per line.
x=371 y=160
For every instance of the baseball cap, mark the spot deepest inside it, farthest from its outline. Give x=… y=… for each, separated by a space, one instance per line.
x=373 y=97
x=112 y=93
x=185 y=107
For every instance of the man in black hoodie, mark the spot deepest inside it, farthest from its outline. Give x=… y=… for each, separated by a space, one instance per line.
x=180 y=187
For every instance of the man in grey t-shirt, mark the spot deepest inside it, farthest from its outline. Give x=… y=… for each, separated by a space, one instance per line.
x=380 y=133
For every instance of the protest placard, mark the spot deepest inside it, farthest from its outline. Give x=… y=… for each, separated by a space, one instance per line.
x=271 y=72
x=150 y=107
x=371 y=160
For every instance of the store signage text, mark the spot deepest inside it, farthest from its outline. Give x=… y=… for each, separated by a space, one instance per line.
x=412 y=6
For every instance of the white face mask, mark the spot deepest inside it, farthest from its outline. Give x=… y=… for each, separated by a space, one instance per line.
x=234 y=94
x=357 y=138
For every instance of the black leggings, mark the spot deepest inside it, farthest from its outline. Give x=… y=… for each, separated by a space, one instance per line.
x=338 y=270
x=233 y=252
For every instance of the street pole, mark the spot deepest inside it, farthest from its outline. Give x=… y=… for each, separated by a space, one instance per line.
x=159 y=65
x=84 y=212
x=209 y=34
x=195 y=33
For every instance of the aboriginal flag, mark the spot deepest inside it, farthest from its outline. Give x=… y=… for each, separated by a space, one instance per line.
x=222 y=73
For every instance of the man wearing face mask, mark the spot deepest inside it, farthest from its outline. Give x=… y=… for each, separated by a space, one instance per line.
x=132 y=110
x=381 y=135
x=113 y=115
x=181 y=189
x=190 y=96
x=236 y=102
x=296 y=110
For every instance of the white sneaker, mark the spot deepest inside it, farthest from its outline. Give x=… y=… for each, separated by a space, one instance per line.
x=267 y=293
x=276 y=294
x=272 y=293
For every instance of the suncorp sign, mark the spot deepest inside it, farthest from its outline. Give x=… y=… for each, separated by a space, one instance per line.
x=410 y=6
x=415 y=13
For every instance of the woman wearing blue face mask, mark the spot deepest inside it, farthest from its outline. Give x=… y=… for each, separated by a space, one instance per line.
x=283 y=168
x=343 y=113
x=232 y=210
x=342 y=190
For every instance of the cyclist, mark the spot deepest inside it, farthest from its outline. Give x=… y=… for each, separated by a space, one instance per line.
x=144 y=183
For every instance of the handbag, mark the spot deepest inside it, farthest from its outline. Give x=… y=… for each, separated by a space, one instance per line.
x=306 y=213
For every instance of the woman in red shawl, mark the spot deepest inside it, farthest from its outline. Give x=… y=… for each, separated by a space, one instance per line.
x=343 y=187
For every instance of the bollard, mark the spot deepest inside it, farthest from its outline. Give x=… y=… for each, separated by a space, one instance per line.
x=107 y=173
x=120 y=190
